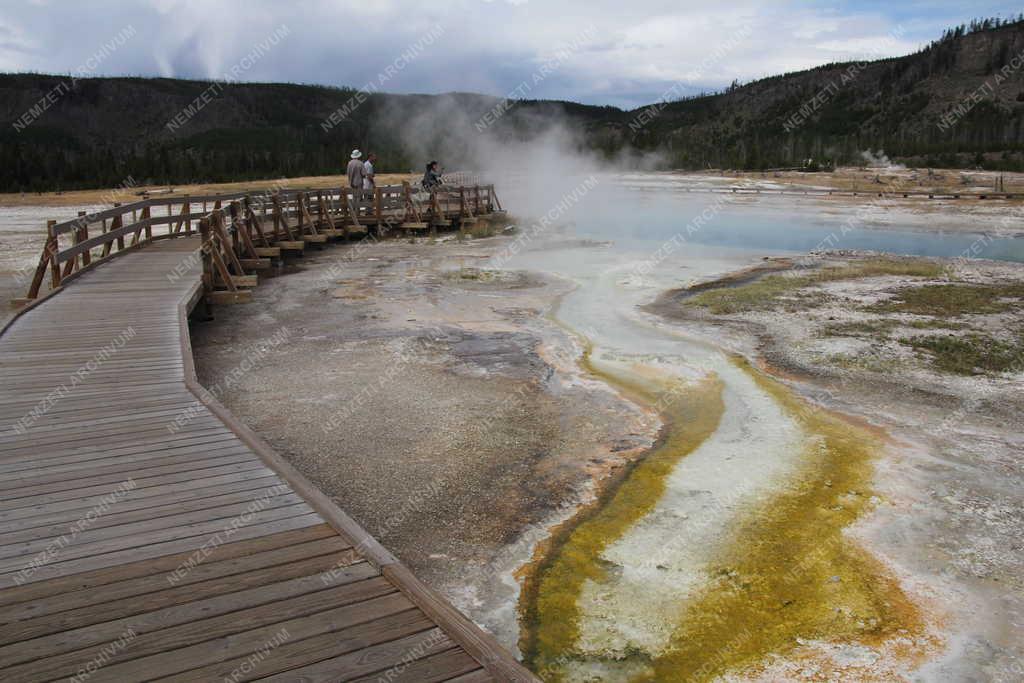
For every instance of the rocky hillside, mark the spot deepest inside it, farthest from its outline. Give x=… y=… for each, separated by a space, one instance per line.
x=959 y=102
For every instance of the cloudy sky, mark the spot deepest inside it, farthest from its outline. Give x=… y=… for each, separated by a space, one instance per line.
x=596 y=51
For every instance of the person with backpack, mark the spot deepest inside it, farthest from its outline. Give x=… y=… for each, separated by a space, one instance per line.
x=432 y=177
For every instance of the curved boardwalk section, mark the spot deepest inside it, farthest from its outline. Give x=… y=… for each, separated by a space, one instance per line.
x=146 y=534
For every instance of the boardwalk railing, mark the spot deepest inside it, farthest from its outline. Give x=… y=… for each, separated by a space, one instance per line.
x=242 y=231
x=884 y=193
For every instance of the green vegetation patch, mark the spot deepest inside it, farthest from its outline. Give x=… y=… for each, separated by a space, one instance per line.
x=954 y=300
x=881 y=328
x=768 y=292
x=970 y=354
x=935 y=325
x=860 y=328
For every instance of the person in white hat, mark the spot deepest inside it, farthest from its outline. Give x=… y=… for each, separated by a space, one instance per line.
x=355 y=171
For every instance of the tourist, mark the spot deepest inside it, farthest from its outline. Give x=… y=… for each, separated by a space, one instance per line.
x=355 y=170
x=369 y=181
x=432 y=177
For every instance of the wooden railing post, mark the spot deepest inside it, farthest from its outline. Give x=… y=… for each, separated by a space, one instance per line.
x=305 y=217
x=276 y=201
x=255 y=223
x=301 y=228
x=147 y=230
x=409 y=205
x=435 y=210
x=280 y=218
x=115 y=224
x=207 y=246
x=54 y=263
x=377 y=207
x=219 y=249
x=81 y=235
x=326 y=220
x=242 y=228
x=352 y=208
x=232 y=230
x=49 y=255
x=186 y=222
x=109 y=244
x=71 y=265
x=221 y=234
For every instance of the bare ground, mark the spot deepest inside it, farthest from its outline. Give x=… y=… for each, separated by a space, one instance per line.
x=131 y=193
x=432 y=400
x=868 y=179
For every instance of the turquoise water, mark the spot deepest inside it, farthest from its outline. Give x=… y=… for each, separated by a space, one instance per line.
x=642 y=217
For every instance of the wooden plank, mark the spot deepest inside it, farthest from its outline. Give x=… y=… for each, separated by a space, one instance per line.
x=115 y=474
x=73 y=509
x=255 y=263
x=377 y=658
x=155 y=578
x=104 y=485
x=155 y=550
x=172 y=595
x=242 y=296
x=478 y=676
x=38 y=539
x=439 y=667
x=211 y=507
x=202 y=425
x=246 y=280
x=71 y=459
x=200 y=532
x=348 y=629
x=77 y=585
x=175 y=627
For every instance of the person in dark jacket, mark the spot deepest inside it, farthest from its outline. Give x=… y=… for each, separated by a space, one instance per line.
x=432 y=177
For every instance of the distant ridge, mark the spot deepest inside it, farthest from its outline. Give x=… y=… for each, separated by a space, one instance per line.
x=957 y=103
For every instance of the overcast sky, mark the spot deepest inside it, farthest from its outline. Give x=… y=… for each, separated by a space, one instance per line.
x=595 y=51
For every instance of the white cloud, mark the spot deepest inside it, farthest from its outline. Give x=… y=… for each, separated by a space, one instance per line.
x=812 y=28
x=638 y=50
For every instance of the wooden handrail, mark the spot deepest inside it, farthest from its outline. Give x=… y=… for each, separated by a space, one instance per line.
x=171 y=202
x=386 y=205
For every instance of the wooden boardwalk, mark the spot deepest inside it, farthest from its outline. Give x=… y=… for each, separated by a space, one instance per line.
x=146 y=534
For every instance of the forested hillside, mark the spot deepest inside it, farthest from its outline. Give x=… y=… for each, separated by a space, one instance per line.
x=958 y=102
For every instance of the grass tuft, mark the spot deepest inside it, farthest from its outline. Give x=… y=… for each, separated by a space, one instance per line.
x=954 y=299
x=860 y=328
x=970 y=354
